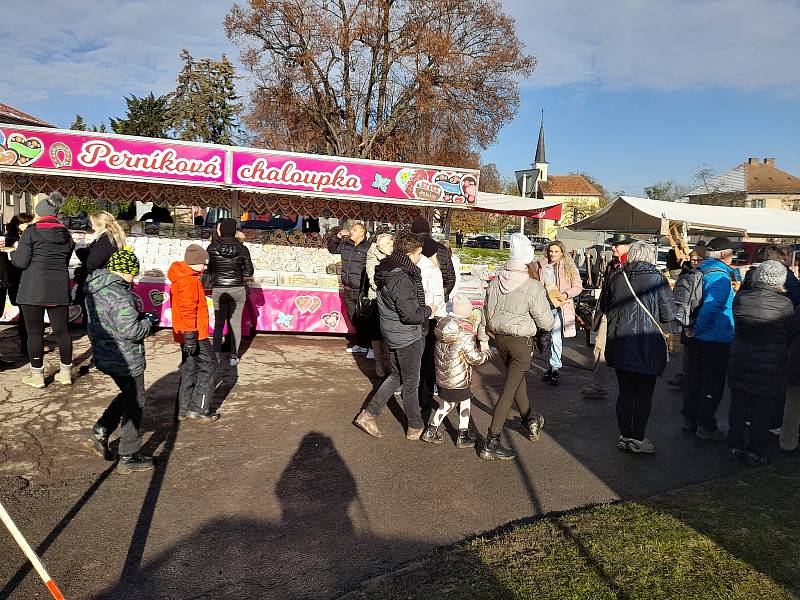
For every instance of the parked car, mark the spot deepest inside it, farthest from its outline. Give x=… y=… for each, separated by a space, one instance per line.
x=539 y=243
x=485 y=241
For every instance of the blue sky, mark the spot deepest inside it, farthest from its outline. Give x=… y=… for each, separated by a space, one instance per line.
x=634 y=91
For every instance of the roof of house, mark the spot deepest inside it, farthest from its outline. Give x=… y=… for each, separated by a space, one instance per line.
x=764 y=178
x=568 y=185
x=9 y=114
x=755 y=176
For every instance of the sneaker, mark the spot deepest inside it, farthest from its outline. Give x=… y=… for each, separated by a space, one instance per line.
x=134 y=463
x=593 y=391
x=233 y=360
x=413 y=433
x=203 y=417
x=712 y=436
x=370 y=354
x=36 y=380
x=532 y=426
x=64 y=377
x=366 y=422
x=756 y=460
x=775 y=431
x=466 y=439
x=644 y=446
x=432 y=435
x=97 y=442
x=622 y=443
x=736 y=454
x=356 y=349
x=493 y=449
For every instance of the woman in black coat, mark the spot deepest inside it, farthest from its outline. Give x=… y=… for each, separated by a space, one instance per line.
x=637 y=302
x=43 y=255
x=229 y=267
x=762 y=317
x=14 y=229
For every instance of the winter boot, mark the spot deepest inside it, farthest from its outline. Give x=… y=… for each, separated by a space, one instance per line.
x=36 y=378
x=97 y=441
x=366 y=422
x=493 y=449
x=432 y=435
x=466 y=439
x=532 y=426
x=134 y=463
x=64 y=375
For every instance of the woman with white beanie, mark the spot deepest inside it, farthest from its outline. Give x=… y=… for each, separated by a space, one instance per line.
x=516 y=308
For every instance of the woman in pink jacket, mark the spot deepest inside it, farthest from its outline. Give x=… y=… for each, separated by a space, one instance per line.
x=559 y=275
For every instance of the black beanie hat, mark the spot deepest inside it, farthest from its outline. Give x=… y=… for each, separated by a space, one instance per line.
x=429 y=247
x=420 y=225
x=227 y=227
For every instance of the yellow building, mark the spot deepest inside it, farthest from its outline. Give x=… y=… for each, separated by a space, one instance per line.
x=756 y=183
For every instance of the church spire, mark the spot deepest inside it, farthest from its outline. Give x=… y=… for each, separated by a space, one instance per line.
x=540 y=159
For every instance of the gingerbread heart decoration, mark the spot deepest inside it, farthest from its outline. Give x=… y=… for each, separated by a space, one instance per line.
x=8 y=157
x=29 y=149
x=157 y=297
x=307 y=304
x=331 y=319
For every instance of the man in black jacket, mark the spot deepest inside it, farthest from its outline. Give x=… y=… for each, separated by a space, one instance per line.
x=403 y=314
x=353 y=246
x=421 y=227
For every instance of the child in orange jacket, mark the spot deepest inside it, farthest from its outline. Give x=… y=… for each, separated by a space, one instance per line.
x=190 y=328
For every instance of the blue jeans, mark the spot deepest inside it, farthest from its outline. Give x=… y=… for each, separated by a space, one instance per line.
x=556 y=340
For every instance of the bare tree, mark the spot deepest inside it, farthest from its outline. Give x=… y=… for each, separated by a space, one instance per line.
x=423 y=80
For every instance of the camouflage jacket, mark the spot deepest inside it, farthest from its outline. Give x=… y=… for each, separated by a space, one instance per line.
x=115 y=329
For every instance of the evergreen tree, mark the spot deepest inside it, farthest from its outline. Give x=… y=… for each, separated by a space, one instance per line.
x=146 y=117
x=78 y=124
x=204 y=107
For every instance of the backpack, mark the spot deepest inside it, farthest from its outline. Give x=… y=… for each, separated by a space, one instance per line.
x=688 y=295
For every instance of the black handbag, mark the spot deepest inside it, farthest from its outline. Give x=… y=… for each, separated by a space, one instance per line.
x=365 y=306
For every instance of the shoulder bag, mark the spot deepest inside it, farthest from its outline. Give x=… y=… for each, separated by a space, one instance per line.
x=647 y=311
x=365 y=306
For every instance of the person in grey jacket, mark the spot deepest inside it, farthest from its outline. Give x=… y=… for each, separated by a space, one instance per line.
x=516 y=308
x=401 y=305
x=117 y=332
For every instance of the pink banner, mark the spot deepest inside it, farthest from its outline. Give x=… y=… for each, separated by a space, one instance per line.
x=369 y=180
x=272 y=309
x=83 y=153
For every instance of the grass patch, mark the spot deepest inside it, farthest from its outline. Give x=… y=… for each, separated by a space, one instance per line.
x=481 y=255
x=736 y=538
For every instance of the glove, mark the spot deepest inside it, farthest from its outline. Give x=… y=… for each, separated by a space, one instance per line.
x=190 y=343
x=151 y=318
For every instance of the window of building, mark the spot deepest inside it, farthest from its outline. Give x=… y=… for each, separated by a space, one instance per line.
x=757 y=203
x=796 y=205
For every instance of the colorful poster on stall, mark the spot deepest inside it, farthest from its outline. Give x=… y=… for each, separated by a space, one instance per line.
x=353 y=179
x=110 y=156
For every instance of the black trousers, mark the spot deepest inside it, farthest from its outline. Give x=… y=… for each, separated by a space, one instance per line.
x=198 y=379
x=59 y=320
x=760 y=411
x=361 y=336
x=427 y=376
x=516 y=354
x=704 y=381
x=634 y=402
x=125 y=412
x=404 y=375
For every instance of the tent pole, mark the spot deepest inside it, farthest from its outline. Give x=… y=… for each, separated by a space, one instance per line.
x=522 y=225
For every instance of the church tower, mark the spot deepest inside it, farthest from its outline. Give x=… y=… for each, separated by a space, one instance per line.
x=540 y=162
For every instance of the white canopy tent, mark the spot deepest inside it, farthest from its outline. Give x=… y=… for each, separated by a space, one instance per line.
x=642 y=215
x=514 y=205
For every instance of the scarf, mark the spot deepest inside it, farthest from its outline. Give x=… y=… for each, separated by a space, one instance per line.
x=409 y=267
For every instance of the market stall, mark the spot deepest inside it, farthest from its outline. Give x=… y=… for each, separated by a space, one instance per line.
x=296 y=286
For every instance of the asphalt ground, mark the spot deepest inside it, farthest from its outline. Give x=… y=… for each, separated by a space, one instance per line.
x=283 y=497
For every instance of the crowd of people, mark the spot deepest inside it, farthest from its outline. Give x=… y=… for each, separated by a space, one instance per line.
x=402 y=296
